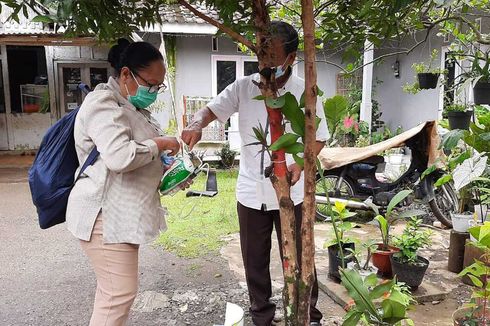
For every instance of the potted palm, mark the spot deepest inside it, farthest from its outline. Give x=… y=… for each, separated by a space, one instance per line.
x=407 y=265
x=477 y=311
x=459 y=116
x=381 y=257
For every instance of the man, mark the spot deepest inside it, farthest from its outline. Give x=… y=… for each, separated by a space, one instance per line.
x=258 y=209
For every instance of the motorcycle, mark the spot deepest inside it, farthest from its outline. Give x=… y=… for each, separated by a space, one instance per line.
x=351 y=175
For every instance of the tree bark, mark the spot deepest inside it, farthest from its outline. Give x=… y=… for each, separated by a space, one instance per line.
x=280 y=177
x=307 y=225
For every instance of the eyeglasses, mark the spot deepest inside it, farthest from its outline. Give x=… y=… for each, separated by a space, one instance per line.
x=151 y=88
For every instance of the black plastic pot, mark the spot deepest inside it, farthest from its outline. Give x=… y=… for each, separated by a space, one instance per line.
x=334 y=261
x=459 y=120
x=481 y=93
x=412 y=275
x=427 y=80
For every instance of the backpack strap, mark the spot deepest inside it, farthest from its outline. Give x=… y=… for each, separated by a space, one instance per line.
x=92 y=157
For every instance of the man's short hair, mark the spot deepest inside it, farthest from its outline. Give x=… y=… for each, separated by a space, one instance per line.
x=287 y=34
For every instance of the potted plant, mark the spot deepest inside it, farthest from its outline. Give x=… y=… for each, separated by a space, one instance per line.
x=338 y=247
x=481 y=84
x=375 y=303
x=477 y=311
x=428 y=76
x=381 y=257
x=356 y=253
x=409 y=267
x=458 y=116
x=227 y=156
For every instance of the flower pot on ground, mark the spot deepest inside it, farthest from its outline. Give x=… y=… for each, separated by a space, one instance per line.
x=412 y=274
x=481 y=92
x=381 y=257
x=428 y=80
x=381 y=260
x=464 y=316
x=335 y=260
x=407 y=266
x=337 y=247
x=479 y=274
x=461 y=221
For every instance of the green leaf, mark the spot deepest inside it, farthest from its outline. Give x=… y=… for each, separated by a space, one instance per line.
x=383 y=227
x=476 y=281
x=351 y=318
x=358 y=291
x=381 y=289
x=299 y=160
x=275 y=103
x=443 y=180
x=295 y=148
x=450 y=140
x=42 y=19
x=371 y=280
x=284 y=141
x=302 y=100
x=294 y=114
x=335 y=110
x=319 y=91
x=259 y=97
x=428 y=171
x=399 y=197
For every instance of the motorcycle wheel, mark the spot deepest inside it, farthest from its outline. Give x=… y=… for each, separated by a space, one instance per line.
x=444 y=203
x=347 y=191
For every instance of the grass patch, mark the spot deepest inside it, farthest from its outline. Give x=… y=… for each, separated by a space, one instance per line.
x=196 y=224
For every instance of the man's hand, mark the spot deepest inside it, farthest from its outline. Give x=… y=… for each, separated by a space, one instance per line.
x=191 y=135
x=295 y=171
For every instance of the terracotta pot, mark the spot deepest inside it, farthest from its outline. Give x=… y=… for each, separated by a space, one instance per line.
x=381 y=259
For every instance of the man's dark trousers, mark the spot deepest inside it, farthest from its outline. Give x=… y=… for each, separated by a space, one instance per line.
x=255 y=239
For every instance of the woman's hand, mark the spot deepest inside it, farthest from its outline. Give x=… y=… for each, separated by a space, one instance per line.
x=168 y=144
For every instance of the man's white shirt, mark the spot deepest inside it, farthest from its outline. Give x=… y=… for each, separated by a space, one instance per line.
x=252 y=189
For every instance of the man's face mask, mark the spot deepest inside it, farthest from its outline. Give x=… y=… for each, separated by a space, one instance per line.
x=143 y=98
x=282 y=69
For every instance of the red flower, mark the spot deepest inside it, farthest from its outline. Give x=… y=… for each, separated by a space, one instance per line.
x=348 y=122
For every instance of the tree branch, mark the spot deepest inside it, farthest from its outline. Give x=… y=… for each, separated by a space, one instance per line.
x=225 y=29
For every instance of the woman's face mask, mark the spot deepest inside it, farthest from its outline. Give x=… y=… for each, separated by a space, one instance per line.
x=143 y=98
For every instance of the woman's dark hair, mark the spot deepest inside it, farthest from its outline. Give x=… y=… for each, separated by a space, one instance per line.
x=287 y=34
x=135 y=56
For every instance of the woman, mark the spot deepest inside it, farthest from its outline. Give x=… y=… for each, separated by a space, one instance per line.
x=114 y=207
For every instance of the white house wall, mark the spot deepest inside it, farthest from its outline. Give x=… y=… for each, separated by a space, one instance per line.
x=400 y=108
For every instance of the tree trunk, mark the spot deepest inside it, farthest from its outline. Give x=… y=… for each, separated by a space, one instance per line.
x=280 y=176
x=307 y=231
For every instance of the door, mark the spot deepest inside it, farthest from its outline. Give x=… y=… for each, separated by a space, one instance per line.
x=226 y=69
x=4 y=144
x=27 y=97
x=70 y=75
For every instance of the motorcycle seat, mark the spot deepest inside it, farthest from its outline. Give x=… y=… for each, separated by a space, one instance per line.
x=374 y=160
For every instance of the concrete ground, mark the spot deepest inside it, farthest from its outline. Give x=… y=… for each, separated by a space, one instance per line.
x=45 y=280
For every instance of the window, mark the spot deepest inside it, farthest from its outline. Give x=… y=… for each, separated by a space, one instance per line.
x=227 y=68
x=2 y=91
x=346 y=83
x=214 y=45
x=72 y=74
x=28 y=79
